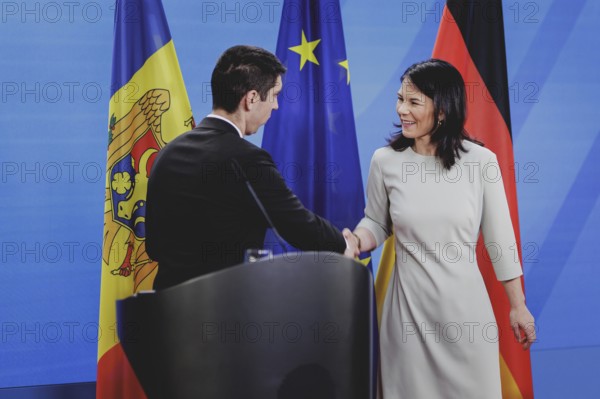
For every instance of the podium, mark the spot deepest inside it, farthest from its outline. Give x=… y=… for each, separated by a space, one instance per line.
x=296 y=326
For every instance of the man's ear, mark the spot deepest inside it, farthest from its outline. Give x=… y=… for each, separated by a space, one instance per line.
x=251 y=98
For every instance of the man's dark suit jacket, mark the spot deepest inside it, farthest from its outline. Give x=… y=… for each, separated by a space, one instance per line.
x=200 y=215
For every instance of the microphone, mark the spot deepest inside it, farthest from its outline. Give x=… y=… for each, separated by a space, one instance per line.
x=239 y=172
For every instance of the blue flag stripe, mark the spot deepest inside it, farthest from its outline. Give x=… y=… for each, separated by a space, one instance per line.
x=133 y=45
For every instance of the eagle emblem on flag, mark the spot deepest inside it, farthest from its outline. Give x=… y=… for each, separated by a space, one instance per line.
x=134 y=142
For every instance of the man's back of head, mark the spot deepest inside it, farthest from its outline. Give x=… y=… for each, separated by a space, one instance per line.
x=241 y=69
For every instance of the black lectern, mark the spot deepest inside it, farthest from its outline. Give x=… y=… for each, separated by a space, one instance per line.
x=295 y=326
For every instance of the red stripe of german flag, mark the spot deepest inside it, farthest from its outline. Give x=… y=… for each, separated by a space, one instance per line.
x=471 y=37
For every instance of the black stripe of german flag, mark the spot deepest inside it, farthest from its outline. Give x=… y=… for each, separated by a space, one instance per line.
x=482 y=28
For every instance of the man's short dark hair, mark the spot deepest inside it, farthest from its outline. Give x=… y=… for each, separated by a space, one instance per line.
x=241 y=69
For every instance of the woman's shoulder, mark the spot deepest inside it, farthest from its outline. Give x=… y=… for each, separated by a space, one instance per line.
x=386 y=155
x=383 y=151
x=474 y=151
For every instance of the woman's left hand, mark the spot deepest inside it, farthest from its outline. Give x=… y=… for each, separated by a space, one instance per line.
x=523 y=325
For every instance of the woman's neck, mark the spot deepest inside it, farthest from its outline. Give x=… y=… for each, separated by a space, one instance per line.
x=424 y=146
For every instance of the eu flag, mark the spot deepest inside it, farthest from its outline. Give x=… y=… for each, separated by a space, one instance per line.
x=312 y=136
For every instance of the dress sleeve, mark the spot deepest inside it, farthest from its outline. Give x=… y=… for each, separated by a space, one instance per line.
x=377 y=212
x=496 y=224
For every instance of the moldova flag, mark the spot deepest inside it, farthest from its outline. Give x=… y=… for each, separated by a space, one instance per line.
x=148 y=107
x=312 y=136
x=471 y=37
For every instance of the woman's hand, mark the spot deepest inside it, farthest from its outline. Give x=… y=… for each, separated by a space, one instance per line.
x=523 y=325
x=520 y=317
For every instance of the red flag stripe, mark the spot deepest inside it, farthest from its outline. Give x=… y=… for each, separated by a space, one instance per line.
x=119 y=379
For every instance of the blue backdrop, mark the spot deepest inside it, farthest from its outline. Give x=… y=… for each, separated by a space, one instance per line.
x=55 y=77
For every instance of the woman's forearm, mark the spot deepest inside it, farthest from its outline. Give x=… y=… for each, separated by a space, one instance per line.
x=514 y=291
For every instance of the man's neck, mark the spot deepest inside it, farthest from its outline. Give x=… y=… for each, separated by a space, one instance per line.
x=234 y=118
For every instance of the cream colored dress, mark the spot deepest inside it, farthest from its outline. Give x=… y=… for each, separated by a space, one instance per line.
x=438 y=335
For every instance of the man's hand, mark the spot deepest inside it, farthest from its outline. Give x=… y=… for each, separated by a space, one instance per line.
x=352 y=244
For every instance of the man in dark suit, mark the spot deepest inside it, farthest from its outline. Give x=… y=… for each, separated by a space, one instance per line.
x=201 y=216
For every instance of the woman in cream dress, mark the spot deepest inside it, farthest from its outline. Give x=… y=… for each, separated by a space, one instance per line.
x=435 y=189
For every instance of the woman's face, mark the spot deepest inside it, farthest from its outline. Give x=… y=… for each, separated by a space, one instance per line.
x=415 y=110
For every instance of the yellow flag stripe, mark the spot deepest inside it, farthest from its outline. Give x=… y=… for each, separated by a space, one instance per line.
x=510 y=389
x=384 y=273
x=161 y=71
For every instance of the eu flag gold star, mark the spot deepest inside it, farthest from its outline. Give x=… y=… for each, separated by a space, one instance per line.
x=365 y=261
x=344 y=64
x=306 y=50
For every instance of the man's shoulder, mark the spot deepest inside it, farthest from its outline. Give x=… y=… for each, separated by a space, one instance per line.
x=206 y=143
x=251 y=152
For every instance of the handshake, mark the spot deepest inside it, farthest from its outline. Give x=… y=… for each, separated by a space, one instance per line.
x=353 y=242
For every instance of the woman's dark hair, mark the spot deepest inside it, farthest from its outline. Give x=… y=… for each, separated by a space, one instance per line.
x=241 y=69
x=441 y=82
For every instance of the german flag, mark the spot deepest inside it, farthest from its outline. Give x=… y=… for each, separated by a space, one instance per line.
x=471 y=37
